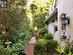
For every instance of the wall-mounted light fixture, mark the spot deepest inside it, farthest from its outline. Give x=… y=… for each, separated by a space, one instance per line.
x=64 y=22
x=64 y=19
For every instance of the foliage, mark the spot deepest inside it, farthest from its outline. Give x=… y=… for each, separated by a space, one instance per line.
x=39 y=9
x=33 y=8
x=40 y=43
x=60 y=49
x=15 y=23
x=66 y=50
x=43 y=31
x=43 y=46
x=40 y=46
x=71 y=49
x=70 y=53
x=48 y=36
x=4 y=51
x=51 y=44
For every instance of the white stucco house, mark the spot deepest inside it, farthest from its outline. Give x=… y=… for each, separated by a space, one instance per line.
x=60 y=21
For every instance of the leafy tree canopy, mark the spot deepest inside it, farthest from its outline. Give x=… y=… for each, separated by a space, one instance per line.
x=39 y=9
x=14 y=24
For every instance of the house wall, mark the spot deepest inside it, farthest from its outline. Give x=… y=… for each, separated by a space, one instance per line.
x=66 y=7
x=51 y=24
x=51 y=30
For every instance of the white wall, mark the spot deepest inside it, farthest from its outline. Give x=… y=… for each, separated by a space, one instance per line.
x=66 y=6
x=51 y=28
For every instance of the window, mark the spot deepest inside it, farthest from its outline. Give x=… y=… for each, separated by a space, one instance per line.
x=55 y=28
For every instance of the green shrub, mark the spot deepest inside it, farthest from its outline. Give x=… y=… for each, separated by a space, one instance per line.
x=40 y=46
x=42 y=31
x=71 y=49
x=4 y=51
x=40 y=43
x=44 y=46
x=48 y=36
x=60 y=50
x=51 y=47
x=51 y=44
x=66 y=50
